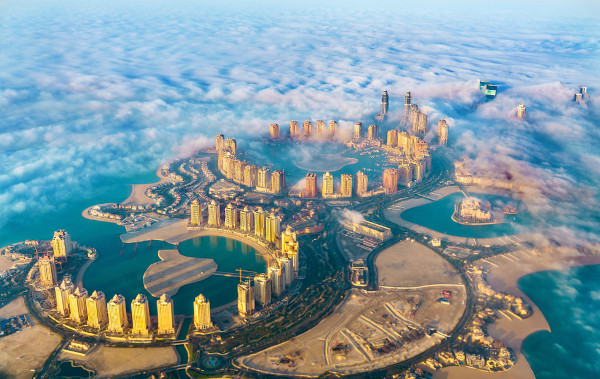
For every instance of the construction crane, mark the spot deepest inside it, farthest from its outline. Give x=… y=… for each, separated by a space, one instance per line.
x=246 y=273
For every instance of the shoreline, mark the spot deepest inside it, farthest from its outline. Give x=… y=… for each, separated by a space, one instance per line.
x=504 y=273
x=394 y=214
x=138 y=195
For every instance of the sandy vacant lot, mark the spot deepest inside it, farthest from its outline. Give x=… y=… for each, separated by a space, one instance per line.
x=411 y=264
x=111 y=361
x=21 y=353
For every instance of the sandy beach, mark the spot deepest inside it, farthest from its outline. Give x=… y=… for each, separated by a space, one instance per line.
x=138 y=195
x=504 y=273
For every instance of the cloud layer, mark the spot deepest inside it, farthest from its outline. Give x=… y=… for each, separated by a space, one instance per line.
x=96 y=90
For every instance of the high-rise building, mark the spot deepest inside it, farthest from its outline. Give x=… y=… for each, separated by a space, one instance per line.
x=521 y=111
x=96 y=310
x=166 y=315
x=250 y=175
x=294 y=132
x=320 y=128
x=390 y=180
x=307 y=128
x=362 y=183
x=231 y=145
x=277 y=285
x=245 y=299
x=277 y=181
x=373 y=132
x=117 y=315
x=47 y=271
x=239 y=170
x=62 y=292
x=274 y=129
x=231 y=216
x=61 y=244
x=442 y=132
x=202 y=313
x=273 y=227
x=327 y=189
x=290 y=247
x=77 y=305
x=140 y=316
x=405 y=173
x=311 y=185
x=195 y=213
x=346 y=186
x=262 y=289
x=358 y=130
x=332 y=128
x=264 y=178
x=287 y=271
x=392 y=138
x=214 y=213
x=260 y=222
x=220 y=142
x=246 y=220
x=384 y=103
x=407 y=104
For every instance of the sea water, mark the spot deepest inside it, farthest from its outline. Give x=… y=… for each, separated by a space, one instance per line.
x=570 y=301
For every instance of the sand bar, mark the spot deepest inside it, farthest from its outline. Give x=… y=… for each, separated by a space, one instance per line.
x=138 y=195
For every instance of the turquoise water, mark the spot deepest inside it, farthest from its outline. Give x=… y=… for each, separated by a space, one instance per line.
x=570 y=301
x=115 y=273
x=437 y=216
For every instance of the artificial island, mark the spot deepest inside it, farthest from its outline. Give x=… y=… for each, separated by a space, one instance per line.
x=339 y=280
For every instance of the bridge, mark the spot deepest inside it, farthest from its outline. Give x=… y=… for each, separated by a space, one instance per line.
x=233 y=275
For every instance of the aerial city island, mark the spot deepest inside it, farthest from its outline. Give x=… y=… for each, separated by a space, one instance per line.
x=369 y=256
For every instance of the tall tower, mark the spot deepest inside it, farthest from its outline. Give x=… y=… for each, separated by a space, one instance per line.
x=231 y=216
x=140 y=316
x=311 y=185
x=246 y=220
x=277 y=181
x=373 y=133
x=294 y=132
x=274 y=129
x=320 y=128
x=231 y=145
x=250 y=175
x=47 y=271
x=61 y=244
x=195 y=213
x=346 y=187
x=307 y=128
x=327 y=189
x=62 y=292
x=358 y=126
x=77 y=305
x=166 y=315
x=390 y=180
x=332 y=128
x=273 y=227
x=407 y=104
x=214 y=213
x=384 y=103
x=277 y=285
x=290 y=247
x=117 y=315
x=442 y=132
x=260 y=222
x=521 y=111
x=362 y=183
x=264 y=178
x=245 y=299
x=202 y=313
x=96 y=310
x=287 y=271
x=392 y=138
x=262 y=289
x=220 y=142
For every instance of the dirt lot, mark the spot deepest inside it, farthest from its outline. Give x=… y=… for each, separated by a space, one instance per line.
x=21 y=353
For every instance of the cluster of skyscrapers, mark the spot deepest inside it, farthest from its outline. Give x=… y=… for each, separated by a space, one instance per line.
x=256 y=221
x=319 y=132
x=581 y=95
x=61 y=247
x=74 y=303
x=327 y=187
x=249 y=175
x=281 y=273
